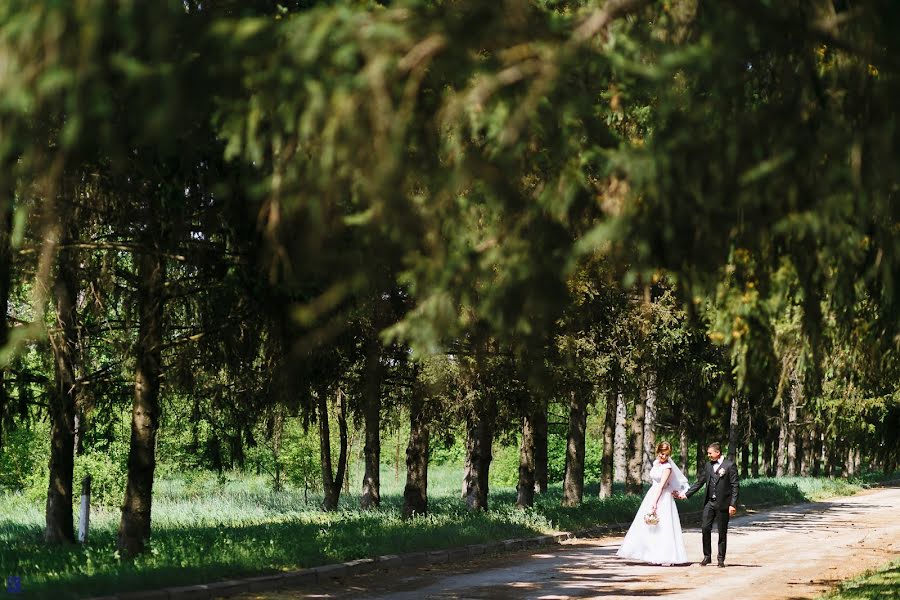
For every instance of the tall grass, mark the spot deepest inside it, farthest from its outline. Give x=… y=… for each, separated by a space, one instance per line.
x=206 y=528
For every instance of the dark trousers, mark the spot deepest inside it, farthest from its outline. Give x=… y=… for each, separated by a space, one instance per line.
x=720 y=517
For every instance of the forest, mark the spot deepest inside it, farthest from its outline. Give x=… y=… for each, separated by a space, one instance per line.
x=514 y=243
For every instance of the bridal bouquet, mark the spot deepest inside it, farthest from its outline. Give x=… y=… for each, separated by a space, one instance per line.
x=650 y=518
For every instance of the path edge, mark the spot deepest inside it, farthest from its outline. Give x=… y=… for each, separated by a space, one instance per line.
x=338 y=572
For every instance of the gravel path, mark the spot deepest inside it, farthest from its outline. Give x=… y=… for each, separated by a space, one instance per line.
x=789 y=553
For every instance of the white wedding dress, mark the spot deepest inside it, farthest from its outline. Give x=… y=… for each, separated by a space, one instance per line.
x=662 y=543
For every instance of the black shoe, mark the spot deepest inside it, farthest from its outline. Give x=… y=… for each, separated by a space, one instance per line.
x=706 y=560
x=721 y=564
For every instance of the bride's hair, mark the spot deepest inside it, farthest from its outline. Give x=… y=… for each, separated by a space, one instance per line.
x=664 y=447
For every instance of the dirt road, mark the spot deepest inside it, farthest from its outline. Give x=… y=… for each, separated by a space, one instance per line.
x=790 y=553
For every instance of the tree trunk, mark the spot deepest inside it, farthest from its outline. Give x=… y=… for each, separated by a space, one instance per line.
x=621 y=439
x=80 y=425
x=770 y=452
x=59 y=518
x=573 y=484
x=807 y=451
x=6 y=217
x=541 y=436
x=526 y=486
x=236 y=444
x=850 y=468
x=134 y=527
x=754 y=460
x=636 y=447
x=468 y=473
x=781 y=456
x=821 y=455
x=683 y=443
x=734 y=431
x=371 y=487
x=331 y=480
x=609 y=434
x=796 y=392
x=481 y=432
x=649 y=428
x=415 y=494
x=277 y=438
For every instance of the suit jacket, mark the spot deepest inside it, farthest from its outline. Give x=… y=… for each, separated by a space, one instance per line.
x=725 y=485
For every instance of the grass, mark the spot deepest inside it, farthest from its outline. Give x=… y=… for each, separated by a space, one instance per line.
x=872 y=585
x=206 y=530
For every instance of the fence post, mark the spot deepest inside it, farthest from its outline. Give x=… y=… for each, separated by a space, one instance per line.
x=85 y=514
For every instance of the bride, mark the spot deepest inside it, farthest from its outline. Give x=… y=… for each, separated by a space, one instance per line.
x=661 y=543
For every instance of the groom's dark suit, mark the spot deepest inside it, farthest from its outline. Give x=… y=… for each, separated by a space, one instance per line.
x=721 y=492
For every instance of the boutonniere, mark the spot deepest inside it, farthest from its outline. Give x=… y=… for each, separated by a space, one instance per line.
x=721 y=471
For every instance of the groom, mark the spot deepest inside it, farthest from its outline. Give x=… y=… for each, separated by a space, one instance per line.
x=721 y=480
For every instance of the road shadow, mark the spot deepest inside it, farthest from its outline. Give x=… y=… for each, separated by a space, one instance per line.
x=593 y=573
x=797 y=519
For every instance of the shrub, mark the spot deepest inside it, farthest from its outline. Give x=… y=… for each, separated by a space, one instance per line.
x=23 y=454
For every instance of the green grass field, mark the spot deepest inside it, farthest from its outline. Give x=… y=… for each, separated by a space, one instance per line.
x=205 y=529
x=880 y=584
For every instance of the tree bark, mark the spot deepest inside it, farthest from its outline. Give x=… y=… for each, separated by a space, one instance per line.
x=134 y=526
x=6 y=218
x=807 y=451
x=331 y=480
x=649 y=428
x=609 y=434
x=621 y=439
x=821 y=456
x=850 y=467
x=481 y=433
x=754 y=460
x=796 y=398
x=734 y=428
x=781 y=456
x=277 y=438
x=468 y=473
x=770 y=451
x=371 y=487
x=415 y=494
x=80 y=426
x=541 y=436
x=59 y=517
x=636 y=447
x=526 y=486
x=573 y=484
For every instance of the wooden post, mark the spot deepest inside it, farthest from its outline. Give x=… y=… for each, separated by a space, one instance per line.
x=84 y=515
